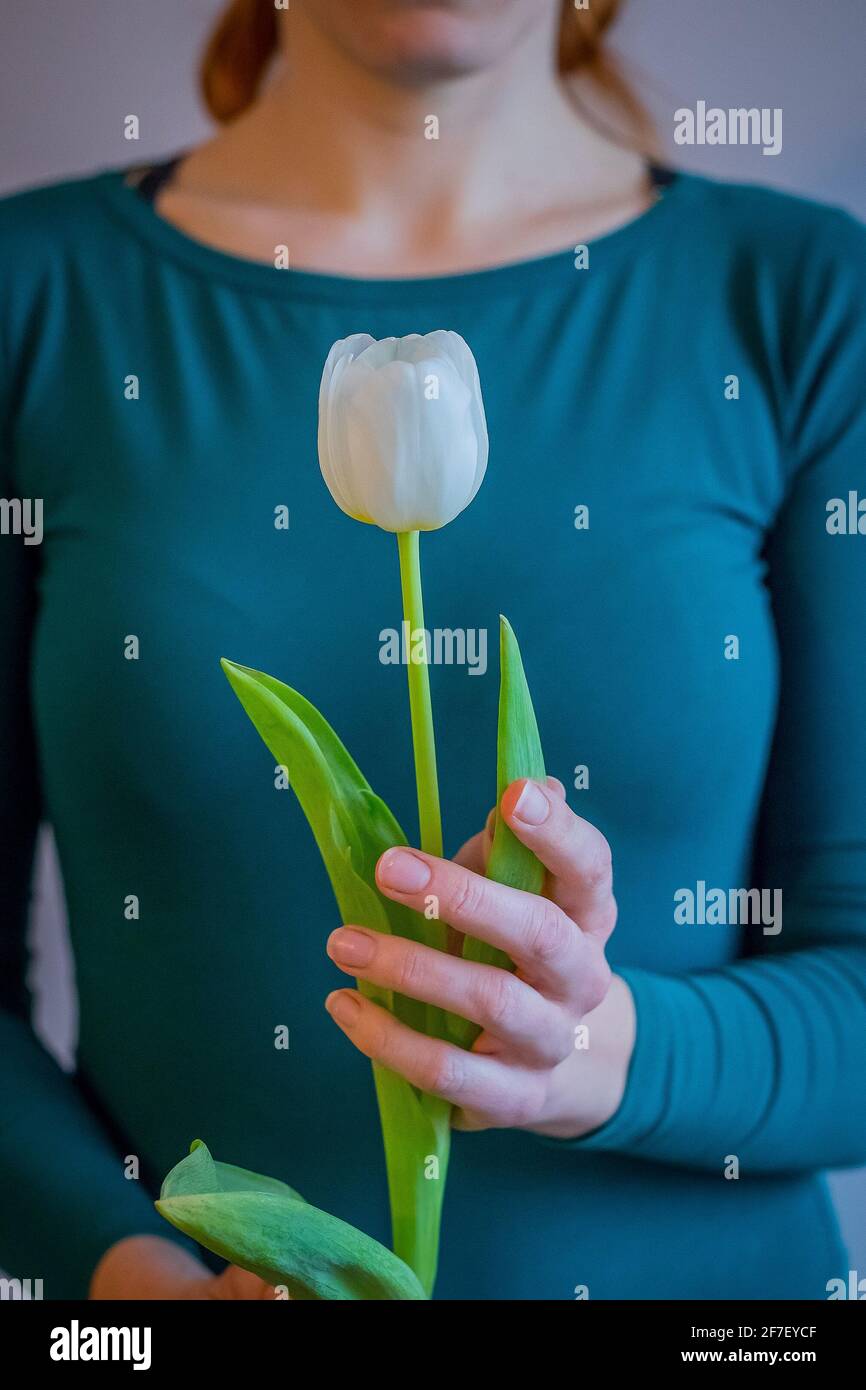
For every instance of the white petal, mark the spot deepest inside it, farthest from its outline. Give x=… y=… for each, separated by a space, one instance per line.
x=389 y=454
x=458 y=350
x=349 y=347
x=333 y=459
x=413 y=460
x=379 y=353
x=342 y=351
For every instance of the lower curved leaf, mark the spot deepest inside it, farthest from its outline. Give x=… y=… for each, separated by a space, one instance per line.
x=264 y=1227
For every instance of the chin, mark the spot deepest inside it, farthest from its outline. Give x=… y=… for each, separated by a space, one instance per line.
x=434 y=41
x=424 y=40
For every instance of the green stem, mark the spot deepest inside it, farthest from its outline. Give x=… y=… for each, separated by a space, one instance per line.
x=423 y=743
x=416 y=1128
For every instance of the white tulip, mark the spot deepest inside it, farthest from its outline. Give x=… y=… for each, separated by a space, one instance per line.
x=402 y=434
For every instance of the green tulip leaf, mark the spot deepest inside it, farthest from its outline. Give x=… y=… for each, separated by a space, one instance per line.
x=518 y=754
x=352 y=827
x=199 y=1172
x=261 y=1225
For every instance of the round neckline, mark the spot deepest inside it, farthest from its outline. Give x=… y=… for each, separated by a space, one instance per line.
x=210 y=261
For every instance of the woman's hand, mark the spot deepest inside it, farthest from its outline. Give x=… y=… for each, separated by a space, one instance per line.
x=153 y=1267
x=530 y=1068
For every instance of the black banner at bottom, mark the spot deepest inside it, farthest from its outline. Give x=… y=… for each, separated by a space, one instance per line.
x=202 y=1337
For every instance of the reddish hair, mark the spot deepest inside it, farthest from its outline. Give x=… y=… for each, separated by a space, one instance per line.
x=244 y=41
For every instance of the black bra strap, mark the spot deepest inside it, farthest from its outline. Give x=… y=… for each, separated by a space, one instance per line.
x=149 y=181
x=661 y=175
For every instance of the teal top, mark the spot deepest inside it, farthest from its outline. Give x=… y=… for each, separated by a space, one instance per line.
x=697 y=647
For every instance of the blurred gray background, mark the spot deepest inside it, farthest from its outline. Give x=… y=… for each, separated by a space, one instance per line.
x=74 y=70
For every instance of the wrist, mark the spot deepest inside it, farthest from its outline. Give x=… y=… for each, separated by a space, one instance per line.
x=588 y=1087
x=147 y=1267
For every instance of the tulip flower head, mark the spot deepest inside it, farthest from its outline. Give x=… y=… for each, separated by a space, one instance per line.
x=402 y=433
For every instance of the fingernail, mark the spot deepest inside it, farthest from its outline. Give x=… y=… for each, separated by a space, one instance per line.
x=350 y=947
x=532 y=807
x=404 y=871
x=344 y=1007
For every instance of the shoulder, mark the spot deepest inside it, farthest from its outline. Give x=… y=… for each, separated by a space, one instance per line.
x=49 y=217
x=765 y=209
x=790 y=274
x=793 y=268
x=51 y=232
x=58 y=243
x=58 y=250
x=768 y=224
x=798 y=238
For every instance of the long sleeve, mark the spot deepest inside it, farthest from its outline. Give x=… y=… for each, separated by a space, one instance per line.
x=65 y=1196
x=766 y=1058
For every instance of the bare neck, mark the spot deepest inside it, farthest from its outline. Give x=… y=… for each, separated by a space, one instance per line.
x=488 y=166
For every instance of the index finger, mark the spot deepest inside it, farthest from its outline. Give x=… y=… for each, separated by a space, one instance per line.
x=532 y=930
x=573 y=850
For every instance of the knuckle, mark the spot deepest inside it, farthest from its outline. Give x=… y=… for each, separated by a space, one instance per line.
x=558 y=1042
x=598 y=872
x=467 y=899
x=547 y=931
x=409 y=972
x=555 y=1043
x=443 y=1073
x=378 y=1039
x=523 y=1108
x=548 y=1051
x=495 y=997
x=519 y=1115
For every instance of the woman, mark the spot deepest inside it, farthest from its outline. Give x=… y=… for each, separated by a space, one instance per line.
x=671 y=410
